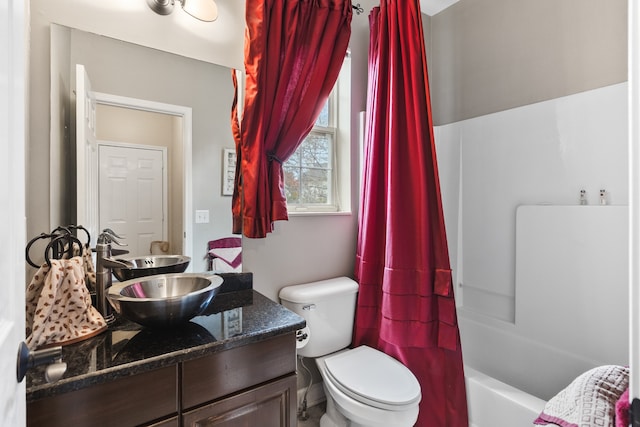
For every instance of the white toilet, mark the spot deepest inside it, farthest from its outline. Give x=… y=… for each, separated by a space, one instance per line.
x=364 y=387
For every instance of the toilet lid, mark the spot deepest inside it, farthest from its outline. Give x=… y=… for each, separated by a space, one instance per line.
x=373 y=377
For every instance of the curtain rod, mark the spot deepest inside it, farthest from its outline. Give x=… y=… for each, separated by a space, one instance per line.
x=357 y=8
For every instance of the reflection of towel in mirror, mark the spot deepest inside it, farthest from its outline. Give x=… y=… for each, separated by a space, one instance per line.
x=87 y=261
x=58 y=306
x=89 y=269
x=225 y=255
x=232 y=256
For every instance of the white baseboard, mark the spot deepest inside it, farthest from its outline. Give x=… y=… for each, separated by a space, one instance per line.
x=315 y=395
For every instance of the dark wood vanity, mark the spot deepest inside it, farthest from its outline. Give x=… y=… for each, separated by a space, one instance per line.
x=233 y=366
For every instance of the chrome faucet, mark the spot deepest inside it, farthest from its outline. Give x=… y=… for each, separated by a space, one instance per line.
x=104 y=264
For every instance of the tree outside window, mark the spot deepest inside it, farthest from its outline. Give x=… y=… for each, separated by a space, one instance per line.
x=309 y=172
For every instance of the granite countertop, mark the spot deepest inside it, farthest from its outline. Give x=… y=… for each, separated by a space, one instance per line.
x=234 y=318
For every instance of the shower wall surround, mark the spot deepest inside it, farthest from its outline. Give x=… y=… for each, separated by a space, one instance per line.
x=542 y=153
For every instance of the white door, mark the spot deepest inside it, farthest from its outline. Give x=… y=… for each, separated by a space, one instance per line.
x=132 y=194
x=12 y=210
x=86 y=154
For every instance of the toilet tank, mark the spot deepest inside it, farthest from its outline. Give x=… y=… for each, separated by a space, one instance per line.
x=328 y=306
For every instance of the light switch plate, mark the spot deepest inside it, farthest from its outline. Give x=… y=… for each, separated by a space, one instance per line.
x=202 y=217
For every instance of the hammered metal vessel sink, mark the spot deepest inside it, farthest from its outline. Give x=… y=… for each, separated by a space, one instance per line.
x=141 y=266
x=165 y=299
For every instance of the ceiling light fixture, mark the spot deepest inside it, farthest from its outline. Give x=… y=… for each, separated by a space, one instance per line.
x=204 y=10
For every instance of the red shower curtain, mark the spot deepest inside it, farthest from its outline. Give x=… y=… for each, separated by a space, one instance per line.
x=406 y=305
x=294 y=50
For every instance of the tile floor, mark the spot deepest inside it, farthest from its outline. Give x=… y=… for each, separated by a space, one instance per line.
x=314 y=412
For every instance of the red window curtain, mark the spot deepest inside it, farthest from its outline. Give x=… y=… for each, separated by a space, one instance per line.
x=405 y=305
x=293 y=53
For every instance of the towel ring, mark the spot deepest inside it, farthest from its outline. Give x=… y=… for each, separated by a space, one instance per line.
x=55 y=242
x=59 y=249
x=70 y=227
x=31 y=242
x=79 y=227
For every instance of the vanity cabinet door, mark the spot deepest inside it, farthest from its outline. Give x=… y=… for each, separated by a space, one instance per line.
x=270 y=405
x=129 y=401
x=227 y=372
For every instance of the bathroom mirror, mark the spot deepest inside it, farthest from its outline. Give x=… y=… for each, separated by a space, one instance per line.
x=140 y=79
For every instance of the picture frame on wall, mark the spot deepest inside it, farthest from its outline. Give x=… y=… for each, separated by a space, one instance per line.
x=228 y=171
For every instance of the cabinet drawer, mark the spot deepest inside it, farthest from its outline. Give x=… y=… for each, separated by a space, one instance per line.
x=123 y=402
x=220 y=374
x=269 y=405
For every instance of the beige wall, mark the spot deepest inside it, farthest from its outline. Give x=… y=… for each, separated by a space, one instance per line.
x=118 y=124
x=493 y=55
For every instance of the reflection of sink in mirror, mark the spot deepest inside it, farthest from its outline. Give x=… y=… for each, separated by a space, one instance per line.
x=203 y=88
x=150 y=265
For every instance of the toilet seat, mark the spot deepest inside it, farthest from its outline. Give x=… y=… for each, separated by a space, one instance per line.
x=373 y=378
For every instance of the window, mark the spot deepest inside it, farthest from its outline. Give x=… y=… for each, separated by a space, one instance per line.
x=308 y=174
x=315 y=176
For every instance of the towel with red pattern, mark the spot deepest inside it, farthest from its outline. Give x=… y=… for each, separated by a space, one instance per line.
x=58 y=306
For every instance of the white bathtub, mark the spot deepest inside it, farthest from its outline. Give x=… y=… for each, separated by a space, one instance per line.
x=559 y=282
x=492 y=403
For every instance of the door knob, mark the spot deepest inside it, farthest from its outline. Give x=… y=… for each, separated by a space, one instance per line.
x=27 y=359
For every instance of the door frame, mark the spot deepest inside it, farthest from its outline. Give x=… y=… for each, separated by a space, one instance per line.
x=173 y=110
x=14 y=15
x=634 y=205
